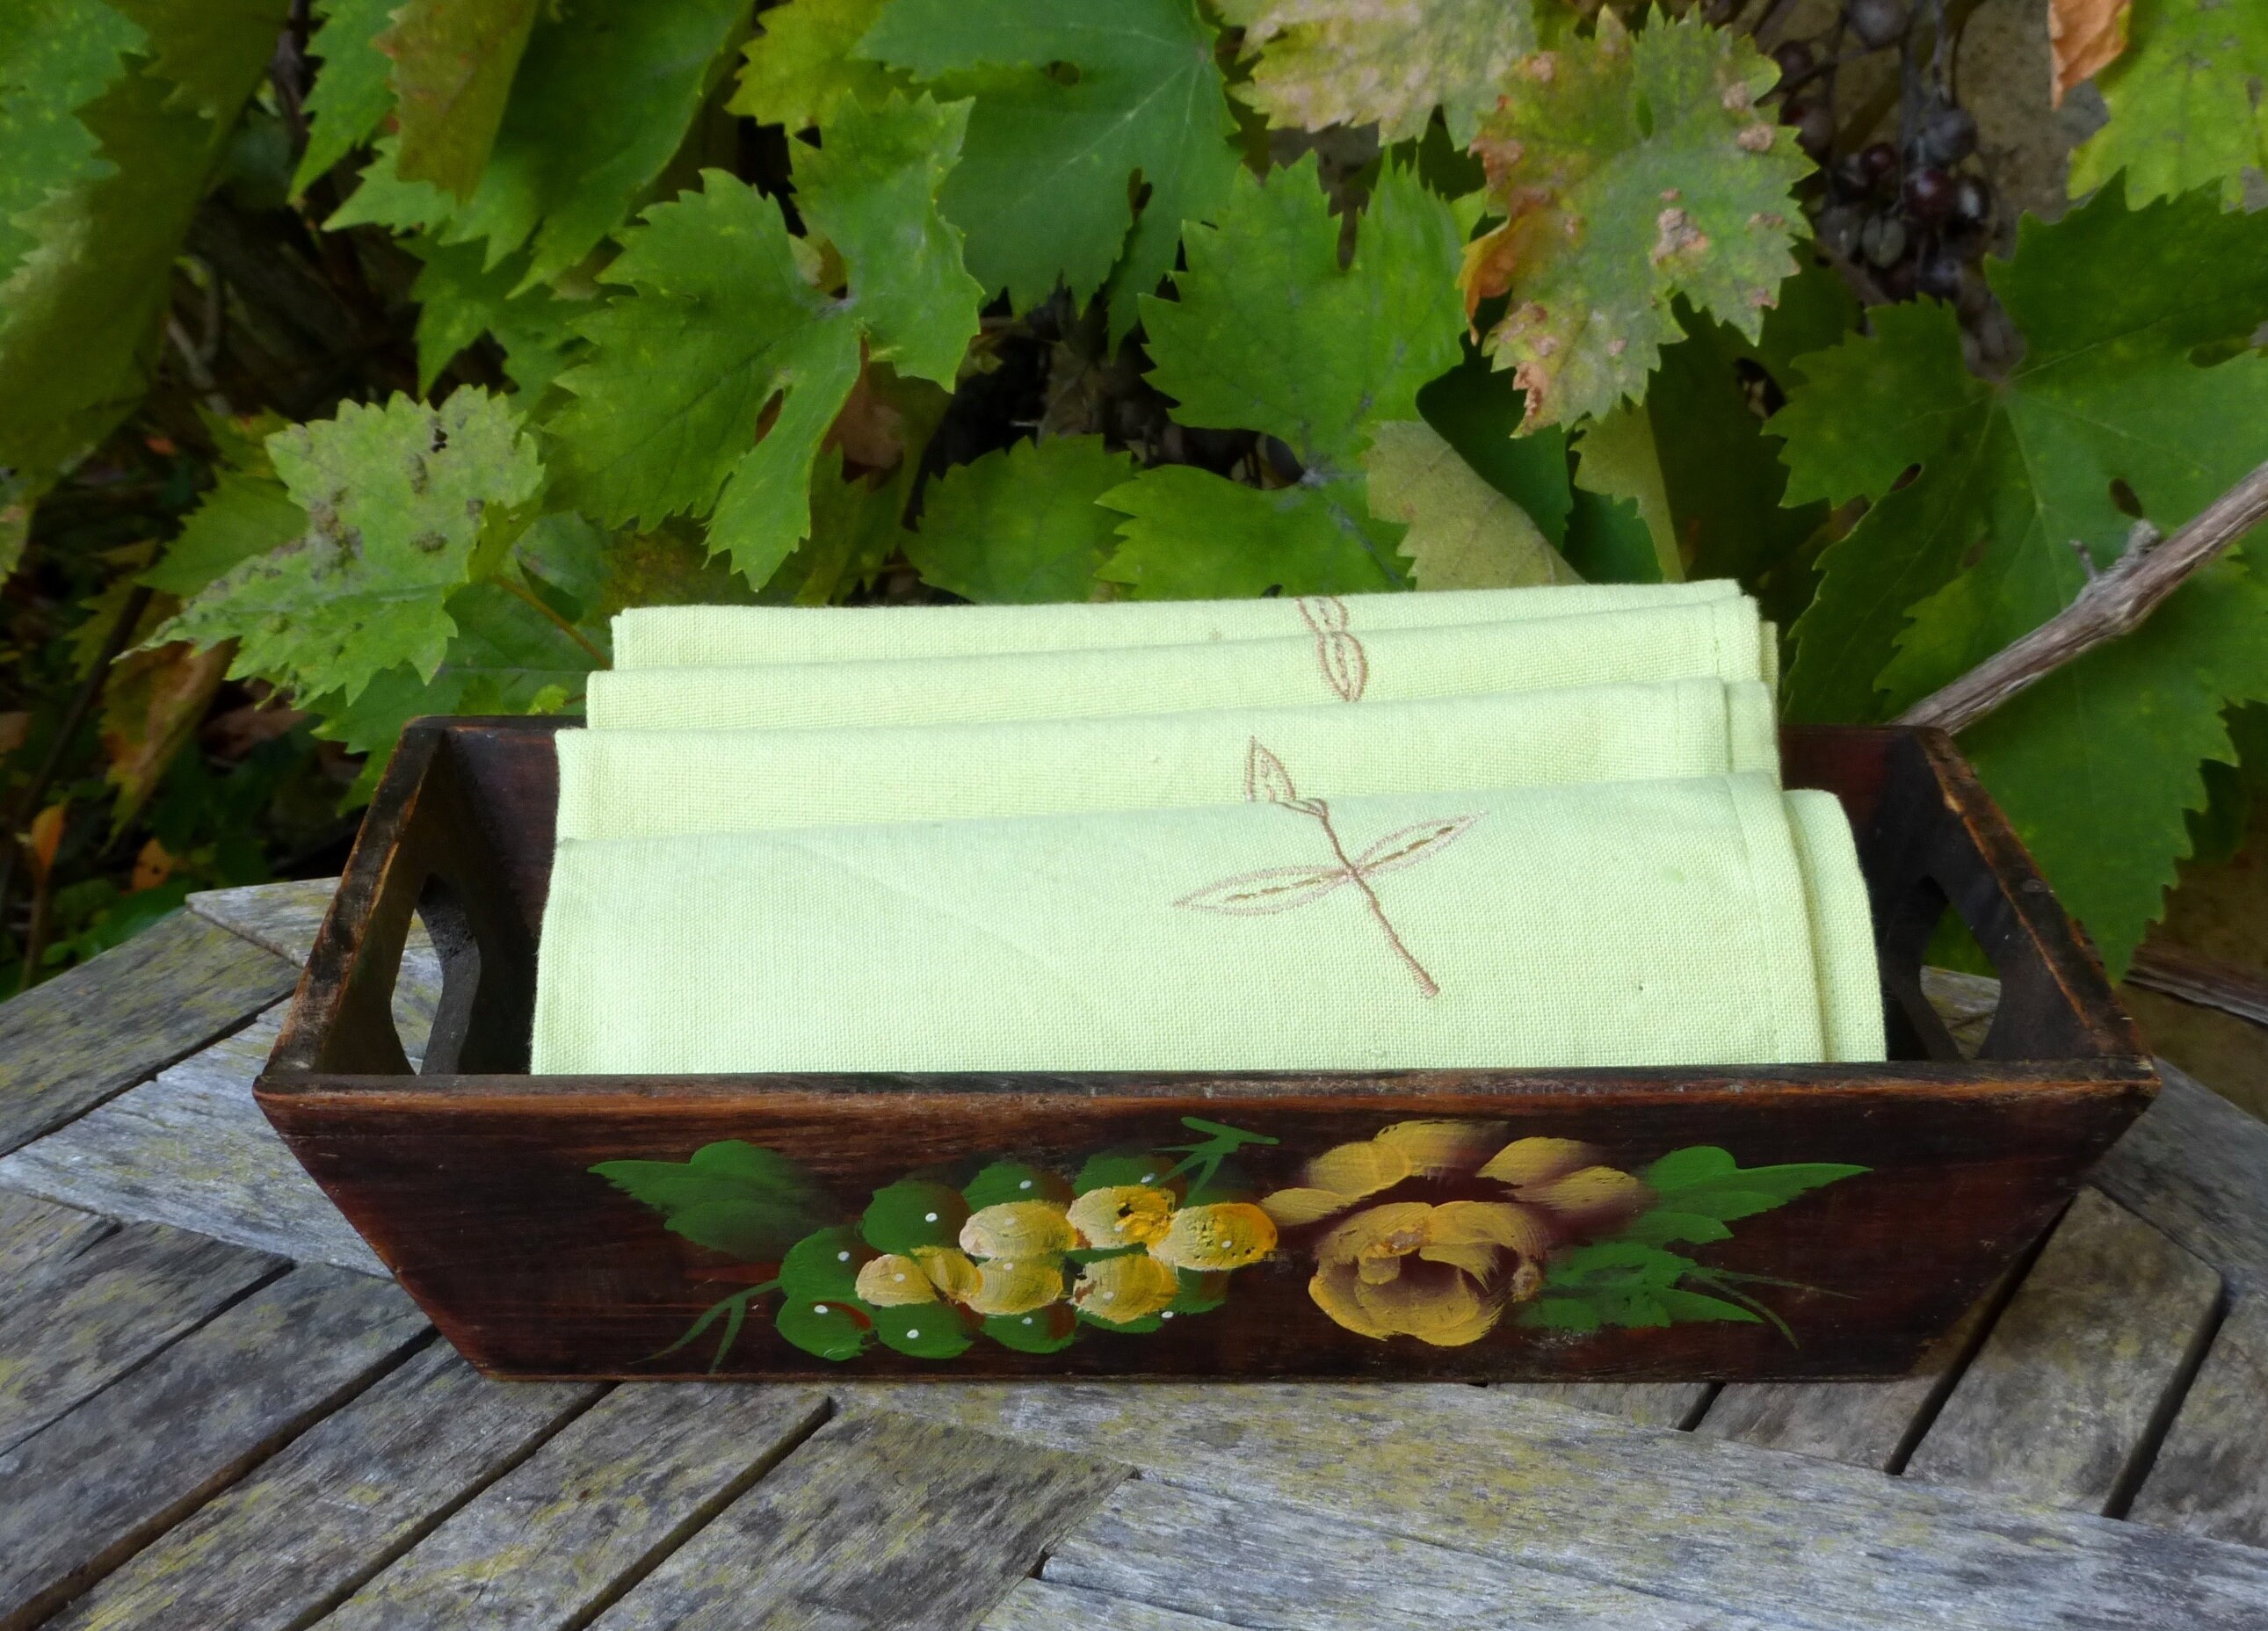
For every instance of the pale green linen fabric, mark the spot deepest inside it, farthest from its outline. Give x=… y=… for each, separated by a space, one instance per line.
x=644 y=784
x=1720 y=639
x=1842 y=926
x=1654 y=923
x=705 y=637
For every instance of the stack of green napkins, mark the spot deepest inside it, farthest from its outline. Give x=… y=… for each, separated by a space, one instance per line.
x=1481 y=828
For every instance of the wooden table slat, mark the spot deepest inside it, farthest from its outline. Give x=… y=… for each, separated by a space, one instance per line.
x=2211 y=1476
x=1040 y=1605
x=2194 y=1168
x=38 y=1239
x=878 y=1519
x=610 y=1495
x=96 y=1030
x=190 y=1147
x=332 y=1507
x=1257 y=1563
x=284 y=918
x=132 y=1292
x=1649 y=1404
x=87 y=1491
x=1754 y=1532
x=2058 y=1403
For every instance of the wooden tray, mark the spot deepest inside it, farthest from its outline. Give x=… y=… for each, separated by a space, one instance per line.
x=1795 y=1220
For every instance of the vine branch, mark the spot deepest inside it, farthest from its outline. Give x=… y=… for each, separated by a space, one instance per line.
x=2114 y=602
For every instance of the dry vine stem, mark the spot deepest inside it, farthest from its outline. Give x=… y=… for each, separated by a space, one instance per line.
x=2113 y=603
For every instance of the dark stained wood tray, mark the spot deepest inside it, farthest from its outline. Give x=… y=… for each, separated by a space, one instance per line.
x=1794 y=1220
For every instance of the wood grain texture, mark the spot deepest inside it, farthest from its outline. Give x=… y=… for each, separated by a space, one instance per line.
x=275 y=1550
x=2058 y=1402
x=98 y=1029
x=1649 y=1404
x=1751 y=1531
x=83 y=1492
x=878 y=1520
x=1039 y=1606
x=2210 y=1475
x=2196 y=1168
x=38 y=1240
x=129 y=1294
x=1255 y=1563
x=191 y=1148
x=611 y=1495
x=285 y=918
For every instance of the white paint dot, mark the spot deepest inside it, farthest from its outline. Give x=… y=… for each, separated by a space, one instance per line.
x=1027 y=1319
x=912 y=1335
x=929 y=1217
x=1169 y=1314
x=1025 y=1184
x=842 y=1256
x=819 y=1308
x=901 y=1279
x=1149 y=1178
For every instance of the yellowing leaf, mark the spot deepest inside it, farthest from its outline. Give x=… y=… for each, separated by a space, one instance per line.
x=799 y=66
x=1616 y=458
x=1464 y=533
x=2185 y=104
x=453 y=62
x=1388 y=63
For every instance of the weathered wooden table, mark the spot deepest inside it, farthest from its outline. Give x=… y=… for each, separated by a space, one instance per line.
x=214 y=1412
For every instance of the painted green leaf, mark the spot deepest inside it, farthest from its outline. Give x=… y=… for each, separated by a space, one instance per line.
x=605 y=92
x=1048 y=1330
x=351 y=96
x=1071 y=105
x=733 y=1197
x=831 y=1330
x=395 y=498
x=1629 y=169
x=1022 y=525
x=1463 y=533
x=1550 y=1313
x=1685 y=1305
x=1705 y=1182
x=1665 y=1226
x=1111 y=1170
x=1201 y=1292
x=453 y=62
x=1320 y=62
x=800 y=67
x=912 y=1214
x=925 y=1330
x=824 y=1266
x=2185 y=104
x=1004 y=1181
x=1269 y=333
x=1613 y=1265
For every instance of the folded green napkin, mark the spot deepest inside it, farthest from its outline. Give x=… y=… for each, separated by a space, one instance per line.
x=1632 y=923
x=705 y=637
x=1720 y=639
x=618 y=784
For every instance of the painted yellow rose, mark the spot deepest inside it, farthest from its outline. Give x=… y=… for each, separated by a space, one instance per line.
x=1464 y=1232
x=1124 y=1289
x=1224 y=1235
x=941 y=1273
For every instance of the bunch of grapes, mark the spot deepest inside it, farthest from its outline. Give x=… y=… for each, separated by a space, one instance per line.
x=1910 y=216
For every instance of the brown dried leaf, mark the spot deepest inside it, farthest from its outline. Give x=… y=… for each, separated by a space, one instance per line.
x=152 y=703
x=45 y=838
x=2086 y=36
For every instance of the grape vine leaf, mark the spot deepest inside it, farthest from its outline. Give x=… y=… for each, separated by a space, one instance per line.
x=800 y=67
x=1073 y=106
x=55 y=57
x=1319 y=63
x=719 y=321
x=1269 y=333
x=460 y=299
x=1629 y=168
x=2185 y=104
x=80 y=311
x=604 y=95
x=247 y=513
x=196 y=48
x=1617 y=458
x=397 y=498
x=1464 y=533
x=351 y=95
x=2084 y=37
x=453 y=62
x=2107 y=407
x=736 y=1197
x=1478 y=411
x=1021 y=526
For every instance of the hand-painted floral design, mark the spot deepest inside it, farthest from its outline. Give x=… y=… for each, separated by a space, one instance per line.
x=1440 y=1231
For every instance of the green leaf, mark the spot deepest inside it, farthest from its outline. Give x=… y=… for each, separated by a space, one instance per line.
x=1070 y=109
x=1463 y=533
x=1617 y=458
x=351 y=96
x=1022 y=525
x=735 y=1197
x=1320 y=62
x=831 y=1331
x=1117 y=1167
x=460 y=298
x=912 y=1214
x=1048 y=1330
x=2185 y=104
x=800 y=69
x=1270 y=333
x=196 y=46
x=453 y=62
x=395 y=497
x=1664 y=1226
x=824 y=1266
x=1613 y=1265
x=1478 y=411
x=604 y=95
x=1705 y=1182
x=925 y=1330
x=1629 y=169
x=244 y=515
x=1005 y=1181
x=55 y=57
